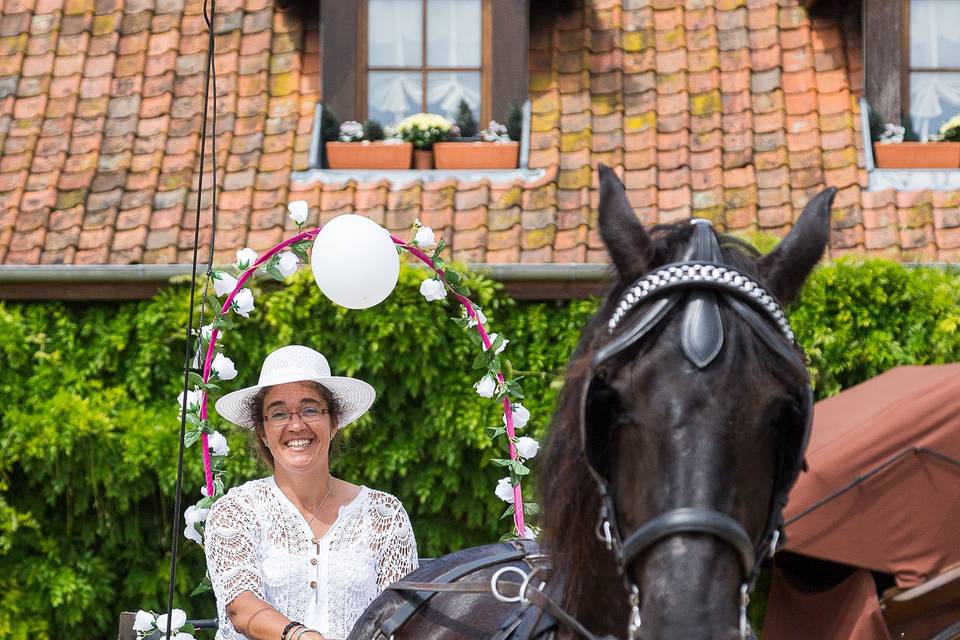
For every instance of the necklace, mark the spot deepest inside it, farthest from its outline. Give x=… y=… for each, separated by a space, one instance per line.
x=322 y=502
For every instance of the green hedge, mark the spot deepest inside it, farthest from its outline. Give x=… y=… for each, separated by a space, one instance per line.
x=89 y=419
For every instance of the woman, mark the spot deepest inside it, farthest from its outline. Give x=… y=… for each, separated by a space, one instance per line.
x=299 y=555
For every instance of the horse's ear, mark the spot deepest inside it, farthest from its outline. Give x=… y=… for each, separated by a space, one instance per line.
x=627 y=242
x=787 y=267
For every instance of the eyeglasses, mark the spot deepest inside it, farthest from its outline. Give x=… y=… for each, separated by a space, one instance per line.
x=280 y=417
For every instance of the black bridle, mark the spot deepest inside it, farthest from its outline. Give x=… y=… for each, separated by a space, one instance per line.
x=700 y=280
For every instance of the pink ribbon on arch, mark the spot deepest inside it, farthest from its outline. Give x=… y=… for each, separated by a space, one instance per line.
x=420 y=255
x=507 y=408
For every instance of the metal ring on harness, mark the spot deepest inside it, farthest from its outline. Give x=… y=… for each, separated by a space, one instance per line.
x=521 y=593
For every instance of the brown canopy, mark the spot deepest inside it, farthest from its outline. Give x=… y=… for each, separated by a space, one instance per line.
x=903 y=519
x=891 y=442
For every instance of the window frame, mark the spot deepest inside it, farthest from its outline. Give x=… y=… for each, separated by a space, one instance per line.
x=485 y=63
x=887 y=69
x=906 y=69
x=503 y=79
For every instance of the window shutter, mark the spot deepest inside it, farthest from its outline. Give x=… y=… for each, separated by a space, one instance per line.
x=339 y=30
x=883 y=57
x=510 y=34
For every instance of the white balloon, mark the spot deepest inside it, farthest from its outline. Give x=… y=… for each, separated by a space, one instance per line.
x=354 y=262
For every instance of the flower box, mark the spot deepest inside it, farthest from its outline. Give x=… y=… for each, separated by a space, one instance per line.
x=423 y=159
x=369 y=155
x=476 y=155
x=917 y=155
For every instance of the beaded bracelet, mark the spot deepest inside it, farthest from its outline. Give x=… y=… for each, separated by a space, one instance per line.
x=300 y=632
x=305 y=630
x=290 y=625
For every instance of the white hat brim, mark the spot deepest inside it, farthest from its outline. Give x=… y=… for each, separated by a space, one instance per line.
x=354 y=396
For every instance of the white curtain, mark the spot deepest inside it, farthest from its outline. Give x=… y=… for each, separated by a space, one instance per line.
x=934 y=43
x=393 y=33
x=393 y=96
x=446 y=90
x=453 y=33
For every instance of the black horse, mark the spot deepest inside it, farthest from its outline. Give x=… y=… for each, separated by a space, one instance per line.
x=679 y=431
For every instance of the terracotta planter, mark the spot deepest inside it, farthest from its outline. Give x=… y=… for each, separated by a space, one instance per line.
x=917 y=155
x=476 y=155
x=423 y=159
x=369 y=155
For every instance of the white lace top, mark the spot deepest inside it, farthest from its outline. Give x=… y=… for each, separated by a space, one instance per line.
x=257 y=541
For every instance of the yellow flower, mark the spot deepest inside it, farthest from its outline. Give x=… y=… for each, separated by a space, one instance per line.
x=425 y=121
x=952 y=123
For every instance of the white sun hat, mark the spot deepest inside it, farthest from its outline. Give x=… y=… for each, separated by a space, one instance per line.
x=296 y=363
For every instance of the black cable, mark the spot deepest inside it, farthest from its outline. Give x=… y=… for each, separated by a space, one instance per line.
x=187 y=355
x=208 y=18
x=213 y=194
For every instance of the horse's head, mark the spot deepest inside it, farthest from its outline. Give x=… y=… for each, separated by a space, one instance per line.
x=688 y=403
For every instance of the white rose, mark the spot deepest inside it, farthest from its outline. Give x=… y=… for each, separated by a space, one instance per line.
x=504 y=490
x=298 y=211
x=521 y=416
x=482 y=318
x=424 y=237
x=432 y=289
x=243 y=303
x=288 y=263
x=144 y=621
x=192 y=516
x=218 y=444
x=224 y=367
x=178 y=618
x=527 y=447
x=493 y=338
x=486 y=386
x=183 y=636
x=224 y=283
x=190 y=533
x=531 y=532
x=195 y=514
x=245 y=258
x=193 y=400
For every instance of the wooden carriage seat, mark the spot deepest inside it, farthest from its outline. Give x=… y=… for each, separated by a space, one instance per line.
x=919 y=613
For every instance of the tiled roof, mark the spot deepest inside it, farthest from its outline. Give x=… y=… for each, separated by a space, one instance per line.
x=733 y=110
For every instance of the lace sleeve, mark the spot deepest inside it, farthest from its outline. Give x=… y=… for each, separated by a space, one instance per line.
x=232 y=550
x=398 y=553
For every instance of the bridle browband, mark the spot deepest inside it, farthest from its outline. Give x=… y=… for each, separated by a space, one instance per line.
x=700 y=280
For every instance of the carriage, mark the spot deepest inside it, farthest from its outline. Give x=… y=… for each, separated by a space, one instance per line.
x=873 y=529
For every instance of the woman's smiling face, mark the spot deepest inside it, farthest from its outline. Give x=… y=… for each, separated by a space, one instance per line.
x=297 y=426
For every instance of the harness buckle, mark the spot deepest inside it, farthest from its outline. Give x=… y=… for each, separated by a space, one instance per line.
x=774 y=541
x=604 y=533
x=633 y=630
x=745 y=630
